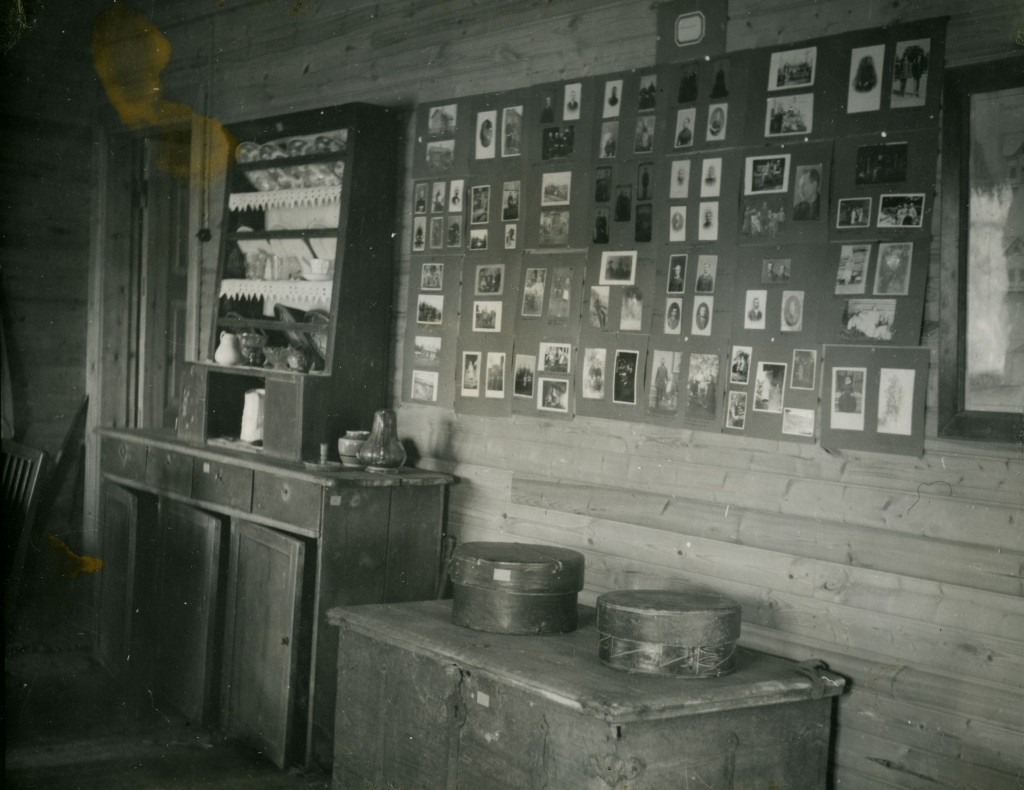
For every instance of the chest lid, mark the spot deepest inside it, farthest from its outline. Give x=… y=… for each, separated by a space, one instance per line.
x=518 y=567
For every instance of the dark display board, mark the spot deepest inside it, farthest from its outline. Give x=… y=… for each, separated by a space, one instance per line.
x=677 y=243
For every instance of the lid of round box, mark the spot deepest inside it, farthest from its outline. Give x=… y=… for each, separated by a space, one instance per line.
x=669 y=617
x=517 y=567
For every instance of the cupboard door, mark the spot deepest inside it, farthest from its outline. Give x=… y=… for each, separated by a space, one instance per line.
x=187 y=596
x=262 y=638
x=117 y=550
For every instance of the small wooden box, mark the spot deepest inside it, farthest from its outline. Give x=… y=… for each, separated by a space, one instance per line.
x=515 y=588
x=667 y=632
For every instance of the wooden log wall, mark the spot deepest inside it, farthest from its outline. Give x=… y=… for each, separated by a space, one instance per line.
x=906 y=575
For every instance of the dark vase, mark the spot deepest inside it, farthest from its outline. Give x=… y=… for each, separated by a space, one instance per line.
x=382 y=452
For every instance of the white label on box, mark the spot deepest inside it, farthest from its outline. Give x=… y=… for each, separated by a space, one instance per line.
x=206 y=467
x=502 y=574
x=483 y=699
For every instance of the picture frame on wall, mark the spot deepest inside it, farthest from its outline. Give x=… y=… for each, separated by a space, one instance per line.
x=686 y=118
x=763 y=175
x=736 y=410
x=805 y=368
x=853 y=213
x=553 y=395
x=612 y=99
x=739 y=365
x=525 y=366
x=789 y=115
x=864 y=85
x=901 y=211
x=486 y=134
x=793 y=68
x=494 y=379
x=852 y=271
x=572 y=101
x=626 y=370
x=892 y=274
x=846 y=408
x=512 y=131
x=593 y=375
x=470 y=382
x=910 y=73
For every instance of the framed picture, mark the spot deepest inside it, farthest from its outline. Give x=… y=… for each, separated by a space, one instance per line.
x=470 y=387
x=424 y=385
x=711 y=177
x=685 y=120
x=486 y=137
x=792 y=318
x=571 y=101
x=910 y=73
x=739 y=366
x=533 y=292
x=618 y=268
x=557 y=142
x=555 y=188
x=480 y=205
x=593 y=378
x=793 y=114
x=431 y=276
x=624 y=385
x=478 y=238
x=793 y=68
x=718 y=118
x=753 y=309
x=892 y=275
x=864 y=84
x=676 y=274
x=420 y=198
x=555 y=358
x=664 y=389
x=703 y=309
x=456 y=189
x=677 y=223
x=769 y=386
x=853 y=213
x=612 y=99
x=736 y=410
x=707 y=230
x=512 y=131
x=525 y=367
x=853 y=268
x=487 y=316
x=494 y=383
x=673 y=316
x=609 y=140
x=679 y=179
x=805 y=364
x=553 y=395
x=764 y=175
x=490 y=280
x=430 y=309
x=847 y=405
x=901 y=211
x=510 y=201
x=707 y=270
x=643 y=141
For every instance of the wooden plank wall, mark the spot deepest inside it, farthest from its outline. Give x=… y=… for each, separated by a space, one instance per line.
x=904 y=574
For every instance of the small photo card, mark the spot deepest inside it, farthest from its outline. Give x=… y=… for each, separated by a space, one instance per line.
x=495 y=380
x=555 y=358
x=805 y=363
x=478 y=238
x=798 y=422
x=677 y=223
x=573 y=96
x=593 y=378
x=910 y=73
x=685 y=120
x=487 y=316
x=420 y=198
x=807 y=193
x=702 y=386
x=437 y=233
x=739 y=366
x=664 y=390
x=424 y=385
x=853 y=213
x=419 y=234
x=597 y=306
x=892 y=275
x=555 y=188
x=847 y=406
x=676 y=274
x=775 y=270
x=643 y=142
x=885 y=163
x=456 y=189
x=440 y=155
x=792 y=319
x=512 y=131
x=426 y=350
x=609 y=140
x=612 y=99
x=431 y=276
x=718 y=118
x=673 y=315
x=510 y=201
x=864 y=86
x=786 y=115
x=707 y=270
x=602 y=184
x=901 y=211
x=769 y=385
x=511 y=235
x=736 y=410
x=557 y=142
x=703 y=308
x=852 y=269
x=896 y=401
x=618 y=268
x=454 y=231
x=554 y=227
x=793 y=68
x=764 y=217
x=490 y=280
x=679 y=180
x=553 y=395
x=708 y=228
x=523 y=375
x=486 y=124
x=442 y=121
x=533 y=292
x=869 y=319
x=470 y=387
x=440 y=196
x=429 y=309
x=480 y=206
x=753 y=309
x=711 y=177
x=647 y=97
x=624 y=387
x=766 y=174
x=560 y=294
x=632 y=309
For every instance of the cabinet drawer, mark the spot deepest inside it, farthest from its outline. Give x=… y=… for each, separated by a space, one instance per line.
x=222 y=484
x=124 y=459
x=169 y=471
x=291 y=501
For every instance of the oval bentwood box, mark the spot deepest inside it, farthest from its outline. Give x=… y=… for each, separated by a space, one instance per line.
x=515 y=588
x=665 y=632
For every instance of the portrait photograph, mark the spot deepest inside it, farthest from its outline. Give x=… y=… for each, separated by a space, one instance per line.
x=440 y=196
x=719 y=79
x=593 y=374
x=853 y=213
x=665 y=369
x=494 y=380
x=554 y=228
x=618 y=268
x=632 y=309
x=571 y=102
x=754 y=305
x=487 y=316
x=711 y=177
x=707 y=229
x=419 y=234
x=688 y=84
x=868 y=319
x=553 y=395
x=486 y=134
x=644 y=181
x=685 y=120
x=480 y=205
x=792 y=318
x=847 y=406
x=533 y=292
x=807 y=193
x=601 y=220
x=419 y=199
x=424 y=385
x=643 y=141
x=490 y=280
x=523 y=374
x=555 y=188
x=793 y=114
x=560 y=294
x=766 y=174
x=437 y=233
x=597 y=306
x=892 y=275
x=609 y=140
x=426 y=349
x=881 y=164
x=677 y=223
x=673 y=316
x=510 y=201
x=644 y=225
x=793 y=68
x=679 y=179
x=478 y=238
x=805 y=363
x=548 y=113
x=470 y=387
x=557 y=142
x=429 y=309
x=775 y=270
x=707 y=270
x=441 y=121
x=511 y=236
x=623 y=202
x=624 y=385
x=602 y=184
x=895 y=401
x=763 y=217
x=852 y=269
x=512 y=131
x=739 y=364
x=647 y=96
x=453 y=236
x=456 y=189
x=864 y=85
x=702 y=386
x=555 y=357
x=440 y=155
x=718 y=119
x=676 y=274
x=798 y=422
x=612 y=99
x=901 y=211
x=910 y=73
x=736 y=410
x=431 y=276
x=769 y=384
x=703 y=308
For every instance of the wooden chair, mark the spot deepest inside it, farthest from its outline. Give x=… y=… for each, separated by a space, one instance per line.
x=23 y=473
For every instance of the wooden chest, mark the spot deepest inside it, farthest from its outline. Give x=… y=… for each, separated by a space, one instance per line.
x=424 y=703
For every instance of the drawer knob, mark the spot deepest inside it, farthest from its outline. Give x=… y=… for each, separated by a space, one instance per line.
x=286 y=492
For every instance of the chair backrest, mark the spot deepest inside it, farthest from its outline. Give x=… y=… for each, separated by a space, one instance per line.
x=22 y=475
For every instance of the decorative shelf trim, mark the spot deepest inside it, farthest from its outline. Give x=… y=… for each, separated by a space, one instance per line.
x=292 y=292
x=285 y=198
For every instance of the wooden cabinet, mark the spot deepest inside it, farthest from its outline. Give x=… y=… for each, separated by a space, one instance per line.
x=119 y=517
x=423 y=703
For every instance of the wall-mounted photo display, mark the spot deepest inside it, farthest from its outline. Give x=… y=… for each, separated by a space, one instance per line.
x=609 y=145
x=643 y=140
x=805 y=365
x=852 y=271
x=864 y=86
x=869 y=320
x=494 y=380
x=597 y=307
x=426 y=351
x=718 y=120
x=776 y=271
x=711 y=177
x=754 y=306
x=487 y=315
x=553 y=395
x=807 y=193
x=533 y=292
x=686 y=118
x=525 y=367
x=788 y=115
x=910 y=73
x=739 y=365
x=431 y=276
x=478 y=238
x=510 y=201
x=419 y=234
x=430 y=309
x=424 y=385
x=489 y=280
x=794 y=68
x=486 y=137
x=456 y=190
x=554 y=228
x=557 y=142
x=572 y=101
x=631 y=310
x=419 y=201
x=764 y=175
x=438 y=233
x=707 y=230
x=703 y=311
x=677 y=223
x=511 y=236
x=707 y=271
x=736 y=410
x=792 y=318
x=555 y=358
x=846 y=407
x=627 y=366
x=769 y=387
x=470 y=384
x=688 y=89
x=612 y=99
x=892 y=275
x=798 y=422
x=453 y=235
x=647 y=95
x=853 y=213
x=677 y=274
x=673 y=316
x=901 y=211
x=882 y=163
x=593 y=378
x=512 y=131
x=480 y=205
x=702 y=387
x=618 y=268
x=666 y=372
x=679 y=179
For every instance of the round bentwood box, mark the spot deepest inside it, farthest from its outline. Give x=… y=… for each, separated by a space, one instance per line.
x=664 y=632
x=515 y=588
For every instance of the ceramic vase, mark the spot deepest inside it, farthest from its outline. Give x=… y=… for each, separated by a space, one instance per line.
x=382 y=451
